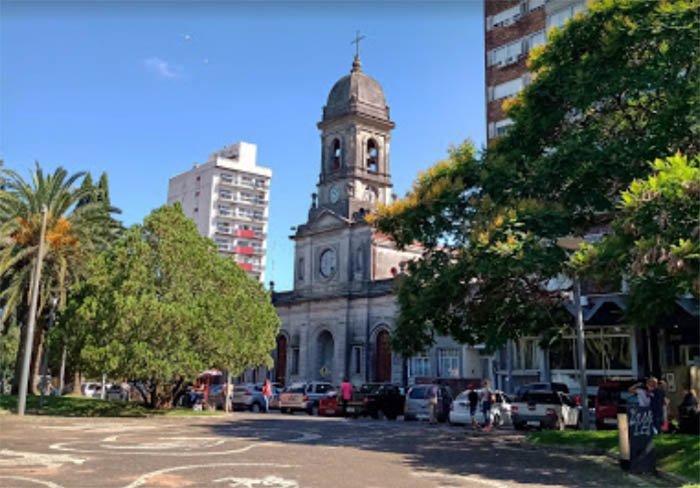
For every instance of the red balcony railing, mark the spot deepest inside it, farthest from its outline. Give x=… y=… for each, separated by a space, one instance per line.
x=245 y=233
x=248 y=250
x=246 y=266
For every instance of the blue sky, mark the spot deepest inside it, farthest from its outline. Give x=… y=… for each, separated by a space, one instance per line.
x=144 y=90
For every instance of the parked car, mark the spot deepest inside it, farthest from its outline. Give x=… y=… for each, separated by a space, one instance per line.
x=500 y=410
x=545 y=409
x=248 y=397
x=377 y=400
x=93 y=390
x=385 y=401
x=611 y=397
x=116 y=392
x=553 y=386
x=417 y=403
x=329 y=407
x=305 y=397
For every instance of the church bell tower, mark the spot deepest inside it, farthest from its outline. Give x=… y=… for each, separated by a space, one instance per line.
x=355 y=138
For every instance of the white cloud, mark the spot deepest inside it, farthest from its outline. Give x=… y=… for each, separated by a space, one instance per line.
x=162 y=68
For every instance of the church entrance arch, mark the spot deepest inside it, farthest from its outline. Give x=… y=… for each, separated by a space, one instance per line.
x=326 y=352
x=383 y=361
x=281 y=363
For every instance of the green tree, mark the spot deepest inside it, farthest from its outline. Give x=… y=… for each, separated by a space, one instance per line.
x=613 y=89
x=162 y=305
x=74 y=231
x=655 y=240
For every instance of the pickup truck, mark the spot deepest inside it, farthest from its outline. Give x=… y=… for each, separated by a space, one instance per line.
x=374 y=399
x=305 y=397
x=545 y=409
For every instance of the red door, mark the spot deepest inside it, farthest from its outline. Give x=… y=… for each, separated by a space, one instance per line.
x=383 y=364
x=281 y=366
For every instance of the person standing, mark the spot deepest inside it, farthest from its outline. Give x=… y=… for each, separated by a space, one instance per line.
x=644 y=392
x=433 y=404
x=346 y=394
x=486 y=394
x=658 y=406
x=267 y=394
x=473 y=398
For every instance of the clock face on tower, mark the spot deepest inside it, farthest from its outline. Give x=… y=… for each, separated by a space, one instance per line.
x=334 y=194
x=327 y=264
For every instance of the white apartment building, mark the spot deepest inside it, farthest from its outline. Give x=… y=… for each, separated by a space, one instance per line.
x=228 y=199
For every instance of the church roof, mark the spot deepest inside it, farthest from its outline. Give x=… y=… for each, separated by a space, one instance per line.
x=356 y=93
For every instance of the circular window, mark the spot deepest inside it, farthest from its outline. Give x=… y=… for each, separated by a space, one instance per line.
x=327 y=264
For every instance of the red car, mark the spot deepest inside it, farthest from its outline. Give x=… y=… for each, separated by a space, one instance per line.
x=329 y=407
x=611 y=395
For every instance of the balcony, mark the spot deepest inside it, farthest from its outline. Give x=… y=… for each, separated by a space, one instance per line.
x=246 y=233
x=246 y=250
x=248 y=267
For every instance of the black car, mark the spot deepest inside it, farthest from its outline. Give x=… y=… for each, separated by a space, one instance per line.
x=386 y=400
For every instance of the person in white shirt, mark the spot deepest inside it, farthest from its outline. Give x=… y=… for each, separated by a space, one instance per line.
x=644 y=392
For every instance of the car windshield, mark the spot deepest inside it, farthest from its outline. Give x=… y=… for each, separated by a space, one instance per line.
x=418 y=393
x=296 y=389
x=370 y=388
x=323 y=388
x=542 y=397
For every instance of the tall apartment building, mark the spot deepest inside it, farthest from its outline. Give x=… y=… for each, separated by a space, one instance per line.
x=512 y=29
x=228 y=199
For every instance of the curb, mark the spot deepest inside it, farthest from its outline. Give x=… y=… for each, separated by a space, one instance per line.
x=675 y=479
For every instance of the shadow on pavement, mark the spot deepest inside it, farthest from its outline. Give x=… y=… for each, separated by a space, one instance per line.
x=449 y=450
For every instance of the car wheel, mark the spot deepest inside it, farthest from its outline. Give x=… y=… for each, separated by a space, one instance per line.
x=497 y=422
x=313 y=411
x=518 y=426
x=255 y=408
x=380 y=415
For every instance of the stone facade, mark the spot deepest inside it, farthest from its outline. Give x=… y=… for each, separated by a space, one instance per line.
x=338 y=319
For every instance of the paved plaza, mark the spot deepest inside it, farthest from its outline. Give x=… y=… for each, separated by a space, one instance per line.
x=280 y=451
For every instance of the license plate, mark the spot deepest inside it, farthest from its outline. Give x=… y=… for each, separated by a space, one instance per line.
x=351 y=409
x=533 y=423
x=610 y=421
x=329 y=411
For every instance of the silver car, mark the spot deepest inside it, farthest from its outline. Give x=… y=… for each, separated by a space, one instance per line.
x=418 y=401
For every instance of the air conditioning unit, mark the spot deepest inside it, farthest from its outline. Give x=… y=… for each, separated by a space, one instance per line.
x=509 y=60
x=507 y=22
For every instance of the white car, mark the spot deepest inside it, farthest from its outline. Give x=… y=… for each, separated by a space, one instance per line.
x=93 y=390
x=500 y=411
x=545 y=410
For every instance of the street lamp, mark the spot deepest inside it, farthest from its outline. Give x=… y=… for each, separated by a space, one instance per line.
x=574 y=244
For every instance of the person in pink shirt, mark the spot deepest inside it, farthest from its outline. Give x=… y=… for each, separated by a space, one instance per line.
x=345 y=394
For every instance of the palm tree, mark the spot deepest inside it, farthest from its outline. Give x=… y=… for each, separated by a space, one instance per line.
x=79 y=223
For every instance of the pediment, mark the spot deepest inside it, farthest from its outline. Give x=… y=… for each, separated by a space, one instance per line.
x=326 y=219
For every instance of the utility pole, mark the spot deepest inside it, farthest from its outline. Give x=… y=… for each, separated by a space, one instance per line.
x=581 y=350
x=31 y=322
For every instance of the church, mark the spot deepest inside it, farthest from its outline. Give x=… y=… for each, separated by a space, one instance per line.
x=338 y=319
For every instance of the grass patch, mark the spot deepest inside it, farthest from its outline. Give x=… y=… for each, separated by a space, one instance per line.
x=675 y=453
x=79 y=406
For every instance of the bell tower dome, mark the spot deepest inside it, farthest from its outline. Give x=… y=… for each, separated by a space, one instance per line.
x=355 y=136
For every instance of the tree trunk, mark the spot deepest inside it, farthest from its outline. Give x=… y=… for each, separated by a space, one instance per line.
x=76 y=382
x=35 y=365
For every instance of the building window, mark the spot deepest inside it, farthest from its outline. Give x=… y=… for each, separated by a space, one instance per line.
x=224 y=210
x=536 y=39
x=508 y=89
x=526 y=354
x=357 y=360
x=222 y=244
x=223 y=227
x=448 y=364
x=419 y=366
x=372 y=156
x=337 y=155
x=560 y=17
x=300 y=269
x=295 y=361
x=226 y=195
x=502 y=126
x=508 y=54
x=226 y=178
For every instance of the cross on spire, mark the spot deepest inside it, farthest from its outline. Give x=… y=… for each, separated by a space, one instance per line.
x=356 y=42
